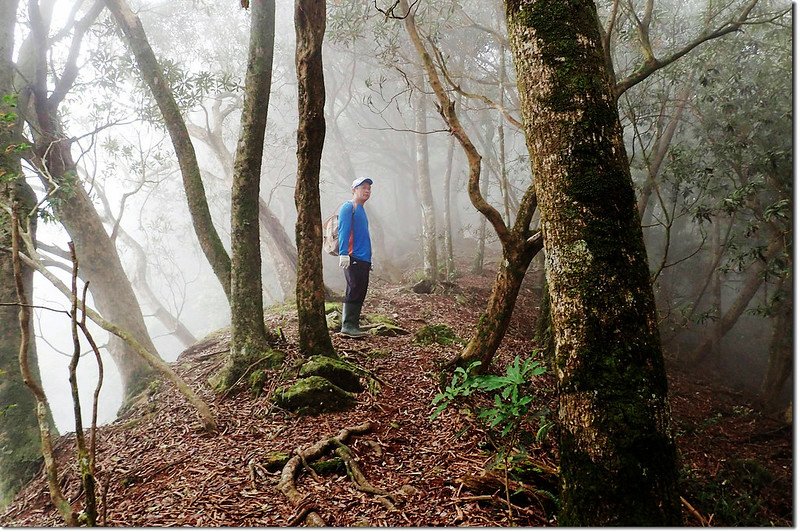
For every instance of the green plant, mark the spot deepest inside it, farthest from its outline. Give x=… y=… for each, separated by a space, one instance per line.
x=512 y=404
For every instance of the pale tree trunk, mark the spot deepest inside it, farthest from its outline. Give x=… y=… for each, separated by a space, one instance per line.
x=249 y=340
x=716 y=303
x=309 y=20
x=663 y=143
x=19 y=428
x=153 y=76
x=618 y=457
x=449 y=260
x=430 y=264
x=110 y=287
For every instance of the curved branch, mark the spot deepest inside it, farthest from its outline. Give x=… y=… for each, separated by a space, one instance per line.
x=446 y=108
x=70 y=73
x=652 y=64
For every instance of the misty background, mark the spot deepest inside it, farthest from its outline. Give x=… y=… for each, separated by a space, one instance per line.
x=724 y=183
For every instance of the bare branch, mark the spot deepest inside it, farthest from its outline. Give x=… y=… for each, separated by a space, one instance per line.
x=653 y=64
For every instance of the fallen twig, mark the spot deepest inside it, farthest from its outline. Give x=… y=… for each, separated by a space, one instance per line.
x=698 y=515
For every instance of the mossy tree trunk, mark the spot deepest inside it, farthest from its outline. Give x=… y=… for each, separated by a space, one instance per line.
x=273 y=234
x=153 y=76
x=309 y=20
x=19 y=429
x=249 y=337
x=110 y=286
x=618 y=458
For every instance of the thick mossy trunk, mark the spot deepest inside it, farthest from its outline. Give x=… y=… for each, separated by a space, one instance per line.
x=21 y=454
x=313 y=337
x=248 y=334
x=493 y=323
x=618 y=457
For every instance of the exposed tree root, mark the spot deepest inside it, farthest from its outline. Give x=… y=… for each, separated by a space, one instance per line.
x=287 y=482
x=356 y=475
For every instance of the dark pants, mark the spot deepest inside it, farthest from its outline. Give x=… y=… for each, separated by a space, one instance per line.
x=357 y=277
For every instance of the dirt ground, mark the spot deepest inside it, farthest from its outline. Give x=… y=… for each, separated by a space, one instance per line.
x=157 y=467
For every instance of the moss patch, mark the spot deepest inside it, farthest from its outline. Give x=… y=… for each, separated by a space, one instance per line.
x=436 y=334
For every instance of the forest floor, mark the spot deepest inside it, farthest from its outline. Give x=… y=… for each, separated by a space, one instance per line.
x=157 y=467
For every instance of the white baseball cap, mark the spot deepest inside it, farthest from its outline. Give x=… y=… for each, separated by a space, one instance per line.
x=361 y=180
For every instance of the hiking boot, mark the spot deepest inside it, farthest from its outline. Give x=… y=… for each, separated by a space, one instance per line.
x=351 y=312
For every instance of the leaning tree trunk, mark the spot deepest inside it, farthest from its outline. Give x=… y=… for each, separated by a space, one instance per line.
x=19 y=429
x=153 y=76
x=309 y=19
x=618 y=458
x=110 y=287
x=430 y=264
x=248 y=334
x=493 y=323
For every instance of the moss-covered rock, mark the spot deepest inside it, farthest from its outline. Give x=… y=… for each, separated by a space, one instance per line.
x=342 y=374
x=314 y=395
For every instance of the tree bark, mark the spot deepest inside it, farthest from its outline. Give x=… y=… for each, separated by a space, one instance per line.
x=310 y=29
x=152 y=74
x=618 y=458
x=19 y=428
x=248 y=334
x=110 y=287
x=430 y=265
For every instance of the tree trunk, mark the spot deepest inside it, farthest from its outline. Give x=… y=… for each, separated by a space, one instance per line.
x=430 y=264
x=248 y=334
x=779 y=367
x=152 y=74
x=310 y=29
x=494 y=321
x=449 y=260
x=618 y=458
x=751 y=285
x=110 y=287
x=273 y=234
x=19 y=429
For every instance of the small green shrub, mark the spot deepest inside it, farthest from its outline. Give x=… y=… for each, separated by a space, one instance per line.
x=436 y=334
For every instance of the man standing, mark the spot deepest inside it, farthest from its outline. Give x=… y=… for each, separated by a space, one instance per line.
x=355 y=255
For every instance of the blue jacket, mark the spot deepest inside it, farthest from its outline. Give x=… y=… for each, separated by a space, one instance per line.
x=354 y=232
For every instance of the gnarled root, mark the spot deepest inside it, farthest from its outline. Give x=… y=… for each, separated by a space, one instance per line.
x=287 y=484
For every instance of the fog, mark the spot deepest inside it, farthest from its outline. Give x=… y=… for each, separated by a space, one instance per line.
x=127 y=165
